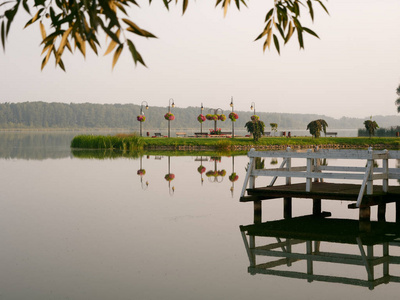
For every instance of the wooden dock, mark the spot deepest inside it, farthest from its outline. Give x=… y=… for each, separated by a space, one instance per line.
x=326 y=191
x=362 y=196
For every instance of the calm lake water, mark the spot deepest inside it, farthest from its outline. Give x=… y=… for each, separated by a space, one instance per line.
x=74 y=227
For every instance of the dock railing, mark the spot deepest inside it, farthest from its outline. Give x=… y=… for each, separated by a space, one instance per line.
x=315 y=170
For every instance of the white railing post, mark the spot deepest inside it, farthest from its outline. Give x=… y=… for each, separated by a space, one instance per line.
x=317 y=163
x=250 y=169
x=385 y=165
x=370 y=182
x=309 y=168
x=288 y=166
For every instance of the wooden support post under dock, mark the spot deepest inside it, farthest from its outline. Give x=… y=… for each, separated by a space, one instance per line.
x=309 y=168
x=287 y=208
x=257 y=212
x=317 y=207
x=382 y=212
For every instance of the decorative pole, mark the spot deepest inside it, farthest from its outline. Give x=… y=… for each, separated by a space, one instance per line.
x=233 y=174
x=142 y=114
x=141 y=173
x=233 y=125
x=215 y=113
x=169 y=111
x=171 y=190
x=253 y=106
x=201 y=123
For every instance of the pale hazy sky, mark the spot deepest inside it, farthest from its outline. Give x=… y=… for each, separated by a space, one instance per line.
x=353 y=70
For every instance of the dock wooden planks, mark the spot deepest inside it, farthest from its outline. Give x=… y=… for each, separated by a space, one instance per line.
x=322 y=190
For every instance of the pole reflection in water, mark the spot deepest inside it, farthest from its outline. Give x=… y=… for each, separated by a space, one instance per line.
x=201 y=169
x=233 y=177
x=297 y=248
x=141 y=172
x=169 y=177
x=216 y=176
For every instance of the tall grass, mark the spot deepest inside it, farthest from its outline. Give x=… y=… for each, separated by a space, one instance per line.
x=118 y=142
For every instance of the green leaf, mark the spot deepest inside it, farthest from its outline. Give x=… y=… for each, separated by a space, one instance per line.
x=310 y=31
x=166 y=4
x=26 y=7
x=39 y=2
x=46 y=59
x=93 y=45
x=300 y=38
x=80 y=43
x=296 y=8
x=3 y=39
x=63 y=43
x=10 y=14
x=281 y=31
x=136 y=55
x=42 y=30
x=136 y=29
x=121 y=7
x=35 y=18
x=269 y=14
x=117 y=53
x=218 y=2
x=61 y=64
x=323 y=6
x=185 y=5
x=52 y=36
x=310 y=8
x=290 y=32
x=113 y=44
x=276 y=42
x=6 y=2
x=112 y=35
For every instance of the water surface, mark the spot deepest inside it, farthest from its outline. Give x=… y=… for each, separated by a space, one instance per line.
x=80 y=228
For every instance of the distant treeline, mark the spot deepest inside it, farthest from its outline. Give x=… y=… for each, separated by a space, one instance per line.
x=381 y=132
x=42 y=115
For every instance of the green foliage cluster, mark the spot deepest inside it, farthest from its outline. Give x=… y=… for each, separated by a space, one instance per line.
x=256 y=128
x=371 y=126
x=315 y=127
x=274 y=127
x=79 y=23
x=397 y=102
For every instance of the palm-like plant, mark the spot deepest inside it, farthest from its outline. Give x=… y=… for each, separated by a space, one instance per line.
x=256 y=128
x=398 y=99
x=371 y=126
x=315 y=127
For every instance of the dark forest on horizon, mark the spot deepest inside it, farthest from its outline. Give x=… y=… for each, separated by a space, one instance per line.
x=43 y=115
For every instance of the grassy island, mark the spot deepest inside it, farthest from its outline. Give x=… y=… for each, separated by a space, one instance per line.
x=133 y=142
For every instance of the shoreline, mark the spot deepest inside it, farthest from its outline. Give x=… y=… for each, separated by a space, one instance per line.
x=126 y=142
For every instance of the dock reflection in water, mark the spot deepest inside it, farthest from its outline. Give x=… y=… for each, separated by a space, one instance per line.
x=294 y=247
